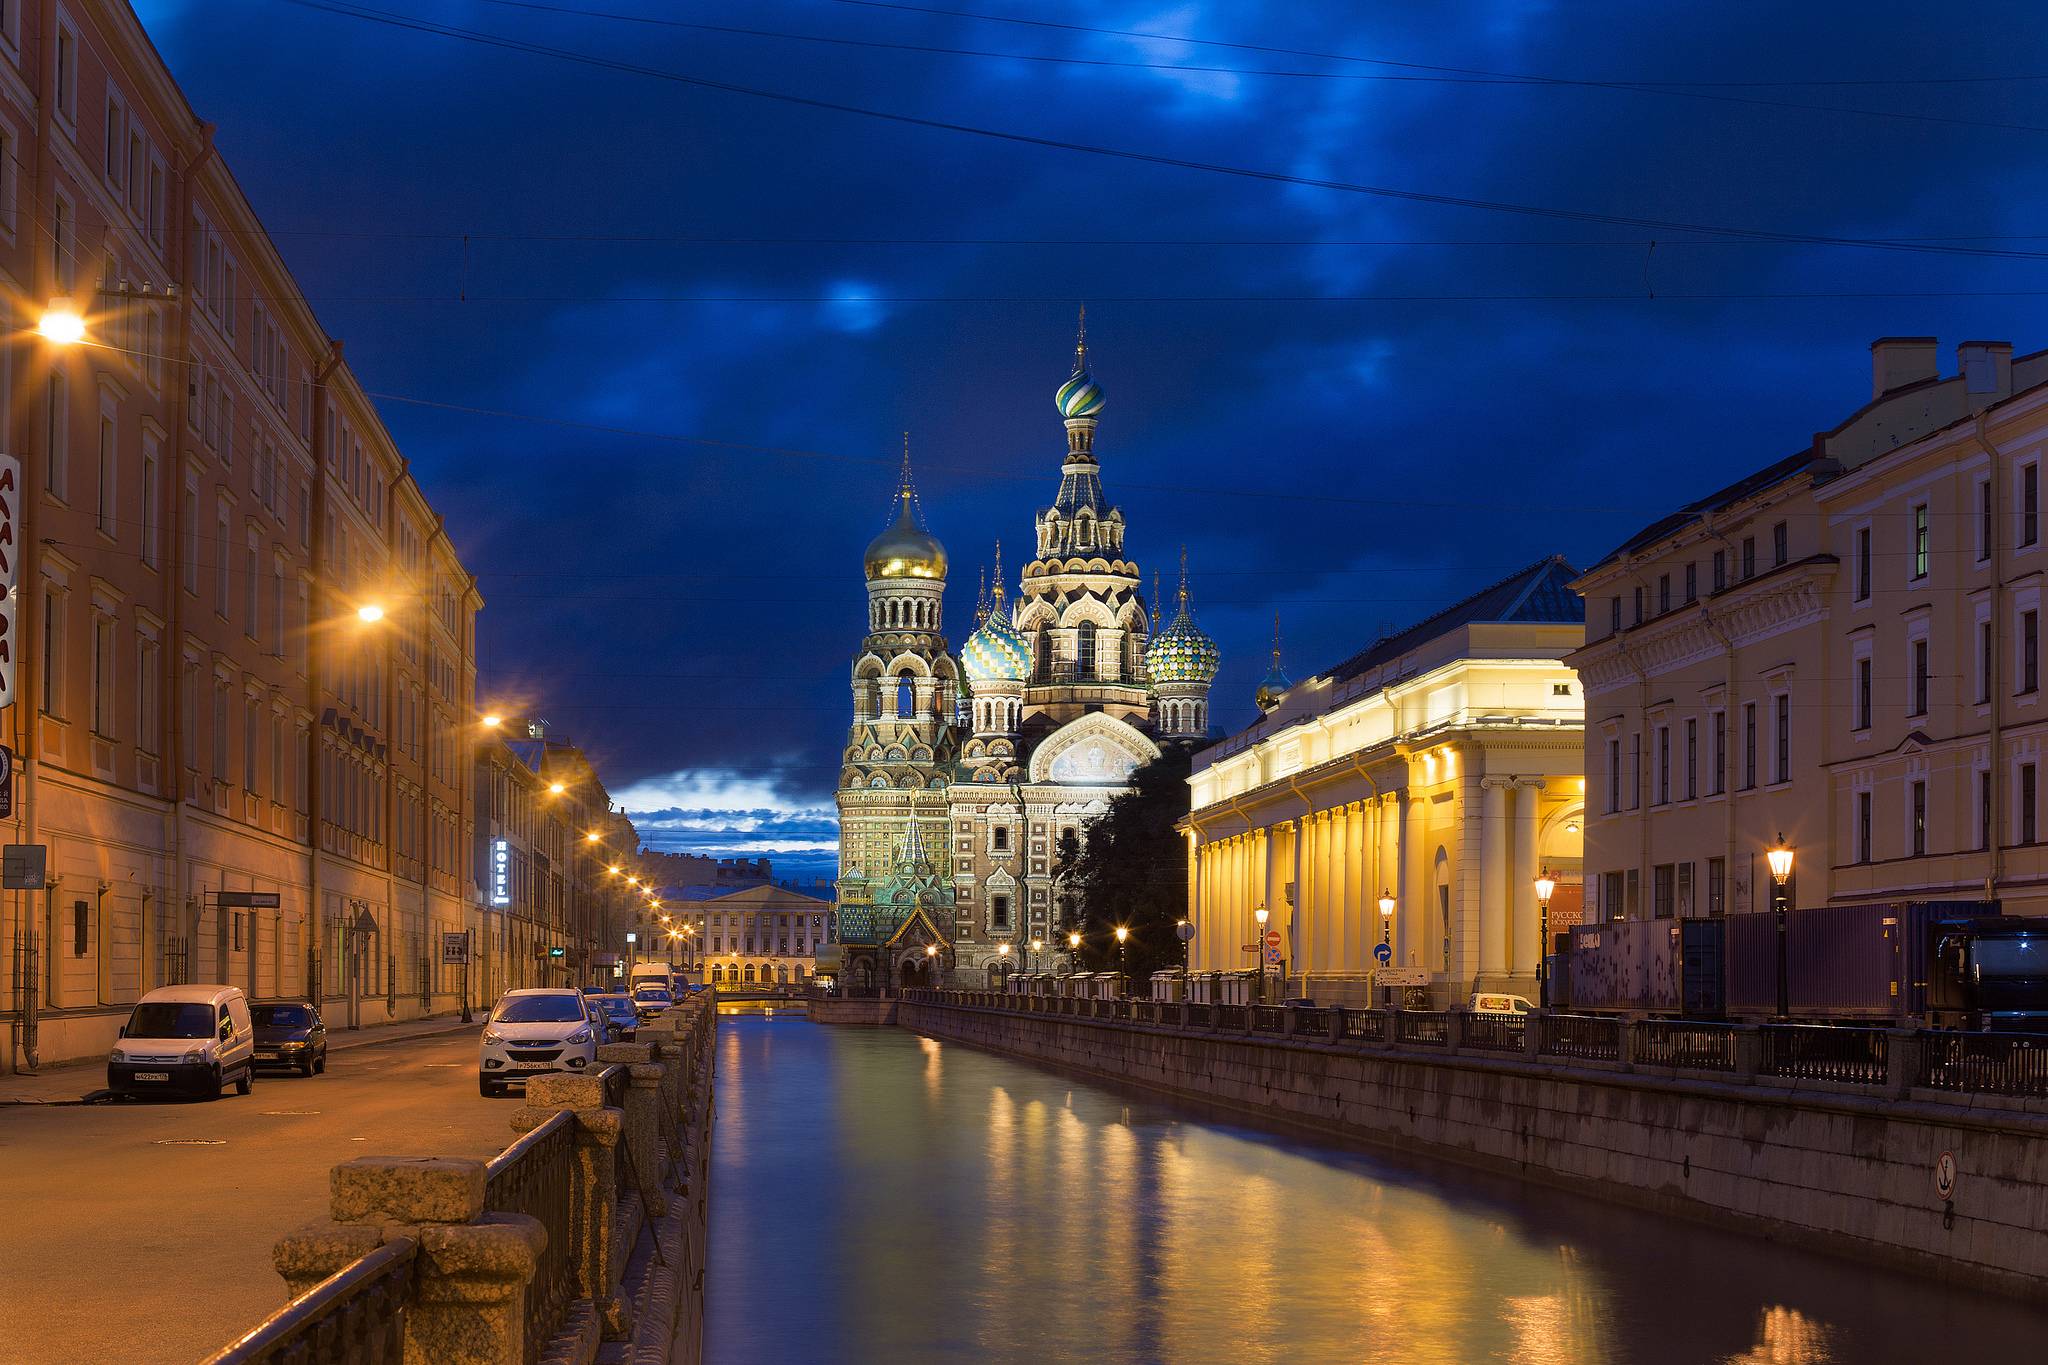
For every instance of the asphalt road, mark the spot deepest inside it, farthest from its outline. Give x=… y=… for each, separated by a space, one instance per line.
x=141 y=1231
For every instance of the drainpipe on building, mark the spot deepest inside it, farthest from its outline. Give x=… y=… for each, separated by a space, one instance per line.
x=180 y=900
x=1994 y=860
x=316 y=909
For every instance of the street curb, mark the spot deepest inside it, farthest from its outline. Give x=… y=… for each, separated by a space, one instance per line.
x=351 y=1044
x=346 y=1045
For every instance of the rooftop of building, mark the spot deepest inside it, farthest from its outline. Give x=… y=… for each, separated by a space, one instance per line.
x=1910 y=400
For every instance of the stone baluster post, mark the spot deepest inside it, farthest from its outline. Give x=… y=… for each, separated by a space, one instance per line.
x=645 y=1145
x=474 y=1269
x=600 y=1261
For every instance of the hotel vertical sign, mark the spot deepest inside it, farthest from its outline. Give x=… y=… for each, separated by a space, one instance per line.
x=10 y=576
x=501 y=872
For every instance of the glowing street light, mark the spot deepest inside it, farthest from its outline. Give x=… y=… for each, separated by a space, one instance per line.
x=1123 y=987
x=369 y=613
x=61 y=324
x=1546 y=886
x=492 y=722
x=1779 y=856
x=556 y=789
x=591 y=837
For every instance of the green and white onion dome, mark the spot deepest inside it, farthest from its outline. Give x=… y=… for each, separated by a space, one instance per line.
x=996 y=652
x=1080 y=396
x=1182 y=653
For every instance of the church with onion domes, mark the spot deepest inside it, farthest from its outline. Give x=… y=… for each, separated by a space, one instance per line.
x=962 y=773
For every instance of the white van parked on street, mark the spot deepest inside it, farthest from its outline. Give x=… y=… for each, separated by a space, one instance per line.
x=185 y=1040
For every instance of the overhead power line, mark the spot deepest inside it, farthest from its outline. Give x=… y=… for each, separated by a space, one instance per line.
x=1661 y=225
x=1414 y=72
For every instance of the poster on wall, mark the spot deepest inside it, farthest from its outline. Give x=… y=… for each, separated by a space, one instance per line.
x=10 y=573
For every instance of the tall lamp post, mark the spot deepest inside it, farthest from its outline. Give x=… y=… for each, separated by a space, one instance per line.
x=1186 y=933
x=1780 y=859
x=1387 y=924
x=1003 y=968
x=1123 y=987
x=1037 y=947
x=1259 y=949
x=1546 y=887
x=1073 y=949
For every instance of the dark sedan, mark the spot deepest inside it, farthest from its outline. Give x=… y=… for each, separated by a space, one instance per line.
x=620 y=1012
x=290 y=1036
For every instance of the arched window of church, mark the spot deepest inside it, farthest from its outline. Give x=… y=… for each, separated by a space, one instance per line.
x=1084 y=652
x=906 y=698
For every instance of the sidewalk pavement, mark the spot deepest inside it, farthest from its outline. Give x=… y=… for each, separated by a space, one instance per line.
x=66 y=1082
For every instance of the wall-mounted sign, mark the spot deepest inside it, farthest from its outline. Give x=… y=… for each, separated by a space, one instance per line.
x=10 y=573
x=454 y=949
x=6 y=782
x=501 y=872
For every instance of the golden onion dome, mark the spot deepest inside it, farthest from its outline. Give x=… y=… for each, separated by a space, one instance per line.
x=906 y=550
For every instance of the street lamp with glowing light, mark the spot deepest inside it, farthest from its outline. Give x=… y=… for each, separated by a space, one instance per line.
x=61 y=324
x=1779 y=856
x=1546 y=887
x=493 y=722
x=556 y=789
x=369 y=613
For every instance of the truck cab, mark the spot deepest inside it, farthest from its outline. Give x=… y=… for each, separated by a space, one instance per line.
x=1989 y=974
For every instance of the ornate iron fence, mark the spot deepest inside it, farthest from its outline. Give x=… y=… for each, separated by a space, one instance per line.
x=1819 y=1052
x=1986 y=1063
x=1268 y=1018
x=535 y=1176
x=1685 y=1044
x=1366 y=1025
x=1585 y=1037
x=355 y=1316
x=1430 y=1028
x=1495 y=1032
x=1231 y=1017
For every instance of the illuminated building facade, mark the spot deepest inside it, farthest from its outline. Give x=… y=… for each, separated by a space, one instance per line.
x=962 y=774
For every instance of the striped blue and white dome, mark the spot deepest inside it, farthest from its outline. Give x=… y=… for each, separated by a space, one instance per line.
x=1080 y=396
x=997 y=651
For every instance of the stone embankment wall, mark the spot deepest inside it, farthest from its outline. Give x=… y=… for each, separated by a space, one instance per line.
x=1843 y=1172
x=834 y=1009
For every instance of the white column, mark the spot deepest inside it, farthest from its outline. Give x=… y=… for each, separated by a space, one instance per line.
x=1389 y=863
x=1416 y=933
x=1198 y=954
x=1524 y=940
x=1361 y=924
x=1493 y=909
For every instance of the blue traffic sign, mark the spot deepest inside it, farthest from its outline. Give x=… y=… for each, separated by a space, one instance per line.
x=1382 y=954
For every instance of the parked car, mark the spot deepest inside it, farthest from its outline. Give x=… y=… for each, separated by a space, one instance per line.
x=621 y=1016
x=290 y=1035
x=1496 y=1002
x=532 y=1032
x=652 y=1000
x=190 y=1040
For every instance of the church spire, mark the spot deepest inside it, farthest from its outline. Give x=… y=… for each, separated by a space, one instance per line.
x=1276 y=681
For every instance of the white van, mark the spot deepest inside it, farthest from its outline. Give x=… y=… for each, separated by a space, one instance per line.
x=649 y=974
x=185 y=1040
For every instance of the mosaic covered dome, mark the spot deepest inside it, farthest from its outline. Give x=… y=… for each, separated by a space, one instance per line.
x=1080 y=396
x=1183 y=652
x=997 y=651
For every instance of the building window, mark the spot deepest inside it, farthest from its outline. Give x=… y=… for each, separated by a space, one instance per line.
x=1685 y=890
x=1986 y=527
x=1862 y=827
x=1610 y=896
x=1749 y=556
x=1613 y=775
x=1918 y=795
x=999 y=912
x=1663 y=764
x=220 y=561
x=1781 y=543
x=104 y=493
x=1783 y=737
x=1717 y=886
x=1863 y=564
x=1084 y=652
x=105 y=670
x=999 y=838
x=1748 y=744
x=1720 y=777
x=1663 y=881
x=2030 y=651
x=1720 y=570
x=1983 y=662
x=1633 y=897
x=1920 y=540
x=2027 y=792
x=2030 y=505
x=1863 y=693
x=1984 y=808
x=53 y=652
x=1920 y=677
x=1692 y=582
x=149 y=696
x=1635 y=769
x=1637 y=619
x=1692 y=758
x=1614 y=614
x=1663 y=593
x=57 y=424
x=906 y=698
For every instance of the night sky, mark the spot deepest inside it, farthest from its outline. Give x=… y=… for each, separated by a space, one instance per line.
x=659 y=394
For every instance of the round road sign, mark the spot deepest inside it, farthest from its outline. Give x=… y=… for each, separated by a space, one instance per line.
x=1382 y=954
x=1945 y=1175
x=1185 y=930
x=1272 y=938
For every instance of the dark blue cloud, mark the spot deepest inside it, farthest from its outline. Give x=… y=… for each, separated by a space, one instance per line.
x=1352 y=462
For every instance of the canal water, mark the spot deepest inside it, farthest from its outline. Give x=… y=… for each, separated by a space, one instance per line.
x=880 y=1197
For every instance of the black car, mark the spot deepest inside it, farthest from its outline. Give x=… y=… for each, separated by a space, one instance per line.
x=290 y=1036
x=620 y=1013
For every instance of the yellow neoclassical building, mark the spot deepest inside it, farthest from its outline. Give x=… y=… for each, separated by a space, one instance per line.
x=1440 y=768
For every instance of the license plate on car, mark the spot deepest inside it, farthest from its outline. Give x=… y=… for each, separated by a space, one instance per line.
x=530 y=1066
x=152 y=1075
x=270 y=1052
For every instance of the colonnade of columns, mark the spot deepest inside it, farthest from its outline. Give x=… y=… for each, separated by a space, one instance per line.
x=1342 y=859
